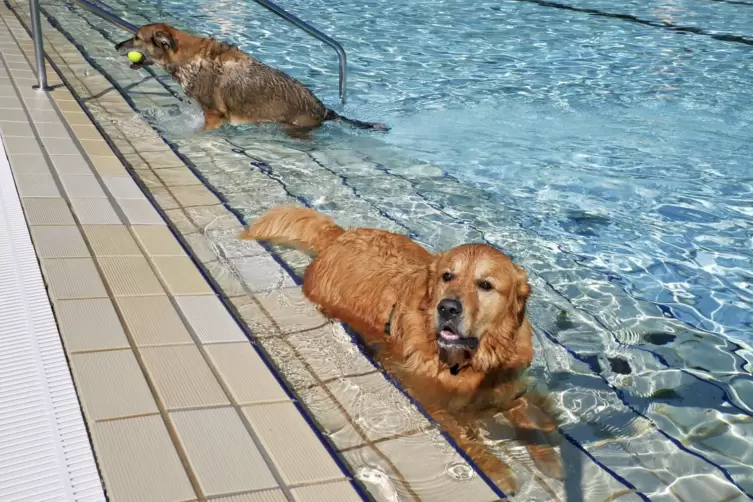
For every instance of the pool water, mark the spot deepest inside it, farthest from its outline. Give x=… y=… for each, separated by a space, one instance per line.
x=604 y=145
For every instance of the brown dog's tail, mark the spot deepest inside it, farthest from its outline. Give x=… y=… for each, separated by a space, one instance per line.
x=374 y=126
x=298 y=227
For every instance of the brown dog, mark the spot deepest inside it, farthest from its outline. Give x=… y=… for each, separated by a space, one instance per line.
x=231 y=86
x=454 y=323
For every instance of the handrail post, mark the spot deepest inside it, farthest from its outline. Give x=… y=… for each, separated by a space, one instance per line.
x=267 y=4
x=36 y=32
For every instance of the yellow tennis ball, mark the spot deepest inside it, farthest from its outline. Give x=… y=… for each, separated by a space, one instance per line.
x=135 y=57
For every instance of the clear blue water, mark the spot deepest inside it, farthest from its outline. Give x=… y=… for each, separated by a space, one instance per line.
x=609 y=155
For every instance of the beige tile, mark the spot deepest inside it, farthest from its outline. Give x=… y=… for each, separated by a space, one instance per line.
x=332 y=421
x=158 y=240
x=47 y=211
x=197 y=195
x=60 y=146
x=123 y=187
x=139 y=462
x=291 y=310
x=152 y=320
x=83 y=186
x=69 y=278
x=71 y=164
x=221 y=451
x=330 y=352
x=76 y=118
x=59 y=242
x=262 y=273
x=341 y=491
x=95 y=212
x=140 y=212
x=374 y=400
x=111 y=240
x=181 y=276
x=178 y=176
x=182 y=377
x=14 y=146
x=276 y=495
x=89 y=325
x=297 y=452
x=244 y=373
x=108 y=165
x=15 y=116
x=209 y=319
x=130 y=276
x=16 y=129
x=31 y=164
x=111 y=385
x=36 y=185
x=435 y=456
x=96 y=147
x=47 y=130
x=10 y=103
x=86 y=132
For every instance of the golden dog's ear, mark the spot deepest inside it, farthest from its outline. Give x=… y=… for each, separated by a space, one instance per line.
x=164 y=40
x=524 y=289
x=431 y=273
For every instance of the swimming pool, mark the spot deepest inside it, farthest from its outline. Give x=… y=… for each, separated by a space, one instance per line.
x=606 y=153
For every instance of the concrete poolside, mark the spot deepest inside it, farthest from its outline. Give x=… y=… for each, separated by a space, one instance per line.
x=178 y=403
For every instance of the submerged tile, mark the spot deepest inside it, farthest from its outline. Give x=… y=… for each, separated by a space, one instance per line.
x=262 y=273
x=291 y=310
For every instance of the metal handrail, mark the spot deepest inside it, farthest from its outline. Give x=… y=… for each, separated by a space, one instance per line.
x=125 y=25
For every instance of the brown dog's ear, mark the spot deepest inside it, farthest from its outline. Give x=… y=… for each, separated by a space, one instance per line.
x=165 y=40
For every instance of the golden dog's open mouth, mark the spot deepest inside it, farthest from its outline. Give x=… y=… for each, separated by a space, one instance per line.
x=451 y=338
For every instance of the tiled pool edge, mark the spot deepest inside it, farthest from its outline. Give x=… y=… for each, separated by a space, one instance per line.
x=58 y=107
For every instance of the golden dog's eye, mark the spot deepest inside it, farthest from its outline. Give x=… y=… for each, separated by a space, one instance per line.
x=447 y=276
x=485 y=285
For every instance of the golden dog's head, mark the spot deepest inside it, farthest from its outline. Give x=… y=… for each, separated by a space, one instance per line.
x=157 y=42
x=478 y=297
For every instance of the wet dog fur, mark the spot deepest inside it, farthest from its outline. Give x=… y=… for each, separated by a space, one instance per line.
x=453 y=324
x=231 y=86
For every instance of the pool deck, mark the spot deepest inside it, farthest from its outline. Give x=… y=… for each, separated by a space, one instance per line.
x=170 y=355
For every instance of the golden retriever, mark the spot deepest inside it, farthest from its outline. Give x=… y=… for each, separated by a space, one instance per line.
x=454 y=323
x=231 y=86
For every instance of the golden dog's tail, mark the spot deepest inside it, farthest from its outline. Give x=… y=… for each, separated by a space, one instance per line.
x=298 y=227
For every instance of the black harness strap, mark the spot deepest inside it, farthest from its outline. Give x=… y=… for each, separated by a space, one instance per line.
x=388 y=326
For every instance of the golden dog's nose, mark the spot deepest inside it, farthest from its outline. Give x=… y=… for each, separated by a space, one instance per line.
x=449 y=308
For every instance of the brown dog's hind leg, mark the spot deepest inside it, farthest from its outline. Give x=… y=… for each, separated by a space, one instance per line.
x=530 y=417
x=213 y=119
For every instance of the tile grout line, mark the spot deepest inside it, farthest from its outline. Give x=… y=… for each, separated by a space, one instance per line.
x=152 y=387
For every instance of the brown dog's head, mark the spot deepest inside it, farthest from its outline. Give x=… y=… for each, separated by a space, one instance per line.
x=157 y=42
x=478 y=296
